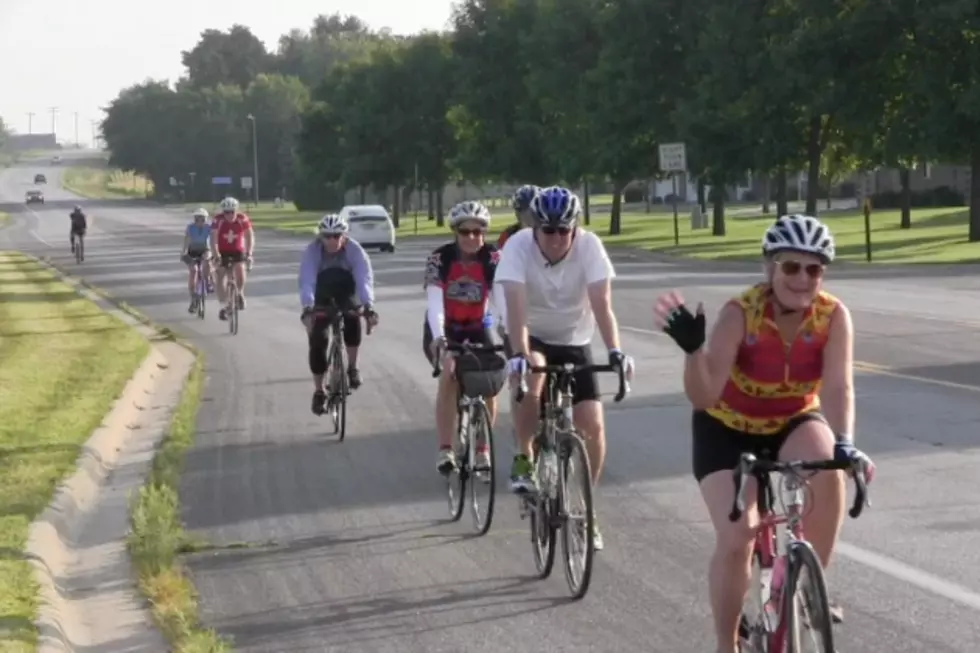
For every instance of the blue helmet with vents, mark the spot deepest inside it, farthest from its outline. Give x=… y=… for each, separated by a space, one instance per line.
x=556 y=206
x=523 y=196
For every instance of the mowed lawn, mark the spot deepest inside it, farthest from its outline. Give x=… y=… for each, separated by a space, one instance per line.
x=105 y=183
x=938 y=235
x=62 y=364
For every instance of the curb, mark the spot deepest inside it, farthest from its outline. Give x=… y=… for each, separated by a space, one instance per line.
x=88 y=594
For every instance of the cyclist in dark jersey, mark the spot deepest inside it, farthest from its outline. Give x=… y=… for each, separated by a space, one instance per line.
x=459 y=288
x=521 y=203
x=79 y=225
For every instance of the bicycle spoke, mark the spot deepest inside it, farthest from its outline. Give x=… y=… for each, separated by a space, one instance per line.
x=577 y=530
x=807 y=611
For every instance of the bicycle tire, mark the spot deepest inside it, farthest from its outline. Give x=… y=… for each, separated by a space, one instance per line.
x=801 y=556
x=456 y=479
x=544 y=531
x=79 y=251
x=233 y=316
x=572 y=450
x=341 y=353
x=202 y=291
x=480 y=419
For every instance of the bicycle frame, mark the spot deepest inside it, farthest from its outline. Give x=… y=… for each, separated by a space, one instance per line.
x=771 y=550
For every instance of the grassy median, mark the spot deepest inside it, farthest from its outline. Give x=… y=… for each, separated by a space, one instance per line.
x=157 y=536
x=63 y=362
x=105 y=183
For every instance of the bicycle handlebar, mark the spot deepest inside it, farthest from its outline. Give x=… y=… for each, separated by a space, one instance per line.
x=569 y=369
x=458 y=348
x=749 y=465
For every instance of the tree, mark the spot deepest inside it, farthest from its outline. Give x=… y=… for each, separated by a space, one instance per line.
x=4 y=132
x=332 y=40
x=234 y=57
x=277 y=104
x=496 y=138
x=636 y=83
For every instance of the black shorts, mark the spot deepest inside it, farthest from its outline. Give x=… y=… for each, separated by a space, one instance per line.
x=716 y=447
x=193 y=255
x=233 y=257
x=585 y=385
x=78 y=231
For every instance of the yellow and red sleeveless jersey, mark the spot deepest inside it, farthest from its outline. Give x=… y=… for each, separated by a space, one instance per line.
x=773 y=381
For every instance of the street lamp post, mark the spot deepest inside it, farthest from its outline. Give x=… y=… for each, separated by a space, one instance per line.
x=255 y=161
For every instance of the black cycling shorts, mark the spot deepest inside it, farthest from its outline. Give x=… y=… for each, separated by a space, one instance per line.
x=78 y=231
x=230 y=258
x=585 y=385
x=717 y=447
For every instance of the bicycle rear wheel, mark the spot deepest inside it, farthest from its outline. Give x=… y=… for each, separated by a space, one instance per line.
x=457 y=478
x=806 y=609
x=577 y=527
x=79 y=250
x=482 y=478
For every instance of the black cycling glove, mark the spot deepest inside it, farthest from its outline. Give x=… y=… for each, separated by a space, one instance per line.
x=686 y=328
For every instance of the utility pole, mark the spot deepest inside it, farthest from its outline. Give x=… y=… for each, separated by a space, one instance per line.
x=77 y=144
x=54 y=122
x=30 y=122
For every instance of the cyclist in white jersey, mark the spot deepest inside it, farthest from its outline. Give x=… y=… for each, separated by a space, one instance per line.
x=556 y=279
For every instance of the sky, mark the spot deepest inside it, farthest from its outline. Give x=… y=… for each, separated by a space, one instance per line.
x=77 y=56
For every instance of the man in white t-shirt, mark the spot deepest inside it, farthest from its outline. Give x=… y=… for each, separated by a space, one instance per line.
x=556 y=280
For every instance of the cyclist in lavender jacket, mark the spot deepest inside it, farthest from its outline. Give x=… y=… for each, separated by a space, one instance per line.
x=335 y=271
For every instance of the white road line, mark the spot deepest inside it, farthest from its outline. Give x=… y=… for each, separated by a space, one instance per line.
x=38 y=237
x=901 y=571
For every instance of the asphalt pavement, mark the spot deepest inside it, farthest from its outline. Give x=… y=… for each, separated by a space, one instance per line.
x=348 y=547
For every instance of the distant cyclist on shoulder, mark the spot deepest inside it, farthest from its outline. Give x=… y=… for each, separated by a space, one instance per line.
x=775 y=379
x=459 y=283
x=335 y=272
x=557 y=279
x=233 y=241
x=79 y=225
x=521 y=203
x=197 y=245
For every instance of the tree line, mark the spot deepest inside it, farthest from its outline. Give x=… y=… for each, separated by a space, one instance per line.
x=579 y=91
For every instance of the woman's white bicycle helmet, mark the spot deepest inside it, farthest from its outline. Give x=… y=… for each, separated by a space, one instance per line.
x=201 y=213
x=229 y=204
x=465 y=211
x=332 y=223
x=799 y=233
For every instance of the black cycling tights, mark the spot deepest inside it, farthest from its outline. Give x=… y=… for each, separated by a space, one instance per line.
x=319 y=341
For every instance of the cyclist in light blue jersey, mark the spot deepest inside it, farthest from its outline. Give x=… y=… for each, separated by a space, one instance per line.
x=197 y=245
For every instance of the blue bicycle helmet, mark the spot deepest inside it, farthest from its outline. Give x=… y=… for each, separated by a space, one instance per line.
x=523 y=196
x=556 y=207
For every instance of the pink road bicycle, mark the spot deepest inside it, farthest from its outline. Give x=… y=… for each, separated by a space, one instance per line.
x=787 y=609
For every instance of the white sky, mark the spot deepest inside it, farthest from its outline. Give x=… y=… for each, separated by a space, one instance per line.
x=77 y=55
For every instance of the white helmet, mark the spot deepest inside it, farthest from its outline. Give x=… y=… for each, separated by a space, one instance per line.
x=332 y=223
x=229 y=204
x=469 y=211
x=201 y=213
x=799 y=233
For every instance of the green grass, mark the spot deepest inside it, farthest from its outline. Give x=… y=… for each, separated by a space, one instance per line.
x=4 y=219
x=157 y=536
x=105 y=183
x=62 y=363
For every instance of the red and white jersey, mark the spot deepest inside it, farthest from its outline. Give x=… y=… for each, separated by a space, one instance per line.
x=229 y=235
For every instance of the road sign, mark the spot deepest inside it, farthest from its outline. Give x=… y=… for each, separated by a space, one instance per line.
x=246 y=182
x=673 y=157
x=219 y=181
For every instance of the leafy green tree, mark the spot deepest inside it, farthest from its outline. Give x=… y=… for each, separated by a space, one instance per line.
x=332 y=40
x=277 y=103
x=234 y=57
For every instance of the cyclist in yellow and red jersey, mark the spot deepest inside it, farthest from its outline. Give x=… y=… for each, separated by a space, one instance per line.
x=775 y=379
x=521 y=202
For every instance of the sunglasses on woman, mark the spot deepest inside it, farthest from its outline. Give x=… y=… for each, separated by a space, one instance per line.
x=470 y=232
x=793 y=268
x=551 y=231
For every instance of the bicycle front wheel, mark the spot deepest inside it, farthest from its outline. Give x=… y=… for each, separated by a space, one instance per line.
x=481 y=478
x=457 y=477
x=577 y=529
x=233 y=315
x=806 y=609
x=339 y=385
x=80 y=250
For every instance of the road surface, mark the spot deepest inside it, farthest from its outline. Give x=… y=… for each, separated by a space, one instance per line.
x=350 y=548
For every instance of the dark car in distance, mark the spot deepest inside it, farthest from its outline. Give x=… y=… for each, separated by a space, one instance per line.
x=40 y=179
x=35 y=197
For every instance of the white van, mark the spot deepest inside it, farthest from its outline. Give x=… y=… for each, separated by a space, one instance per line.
x=371 y=226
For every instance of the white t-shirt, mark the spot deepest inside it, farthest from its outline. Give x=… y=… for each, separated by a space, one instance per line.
x=558 y=309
